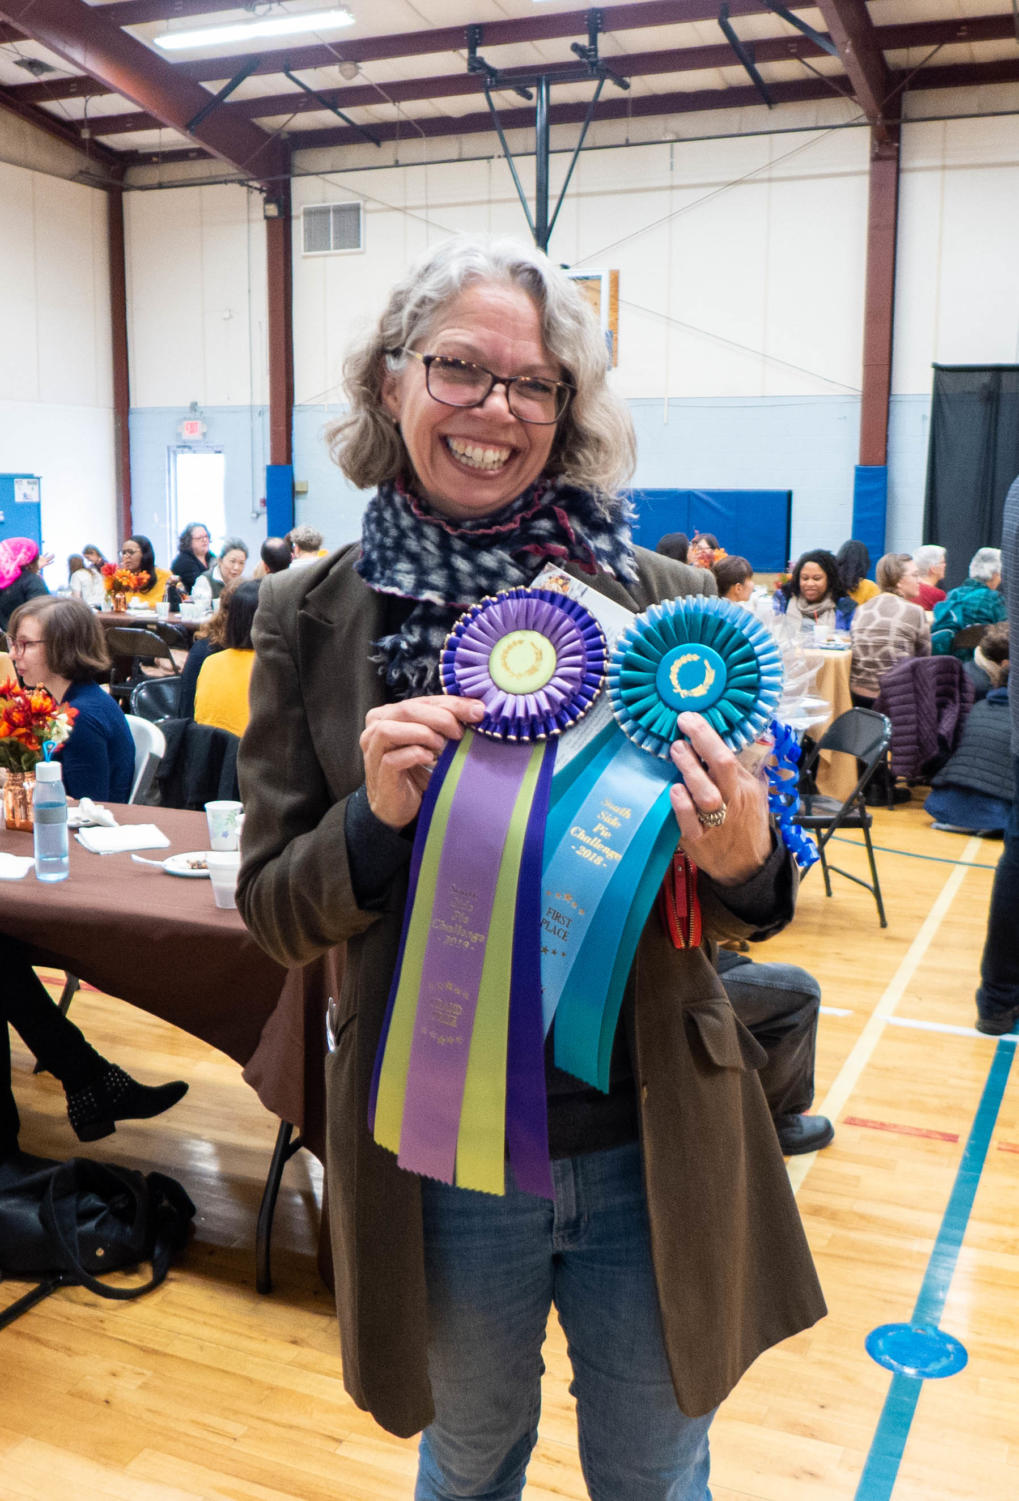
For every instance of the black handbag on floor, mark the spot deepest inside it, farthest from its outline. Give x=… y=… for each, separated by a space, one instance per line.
x=64 y=1222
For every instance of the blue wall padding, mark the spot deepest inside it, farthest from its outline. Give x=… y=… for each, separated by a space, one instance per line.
x=279 y=499
x=870 y=506
x=753 y=524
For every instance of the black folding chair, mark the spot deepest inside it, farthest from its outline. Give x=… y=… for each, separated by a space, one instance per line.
x=866 y=735
x=968 y=639
x=130 y=647
x=157 y=698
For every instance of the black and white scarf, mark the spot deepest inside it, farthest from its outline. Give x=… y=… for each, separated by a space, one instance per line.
x=410 y=550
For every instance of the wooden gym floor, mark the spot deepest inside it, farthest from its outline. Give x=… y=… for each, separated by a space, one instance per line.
x=204 y=1389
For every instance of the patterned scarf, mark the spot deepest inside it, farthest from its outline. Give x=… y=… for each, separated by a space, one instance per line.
x=410 y=550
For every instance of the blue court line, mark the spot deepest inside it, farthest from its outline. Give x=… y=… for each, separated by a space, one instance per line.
x=881 y=1470
x=885 y=849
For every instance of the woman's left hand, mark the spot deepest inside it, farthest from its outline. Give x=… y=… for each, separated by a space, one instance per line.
x=734 y=850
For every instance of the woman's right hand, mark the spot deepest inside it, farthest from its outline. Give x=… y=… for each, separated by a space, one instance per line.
x=401 y=743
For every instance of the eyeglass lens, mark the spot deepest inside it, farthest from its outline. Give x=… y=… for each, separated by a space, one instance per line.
x=459 y=383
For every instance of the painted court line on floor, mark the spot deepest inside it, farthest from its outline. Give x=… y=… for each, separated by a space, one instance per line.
x=887 y=849
x=848 y=1076
x=924 y=1026
x=882 y=1467
x=858 y=1120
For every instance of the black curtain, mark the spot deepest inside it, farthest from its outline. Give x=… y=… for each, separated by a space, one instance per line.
x=972 y=459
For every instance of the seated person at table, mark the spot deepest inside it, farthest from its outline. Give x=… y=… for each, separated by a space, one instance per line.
x=887 y=628
x=194 y=554
x=674 y=545
x=59 y=644
x=275 y=557
x=85 y=582
x=305 y=544
x=704 y=550
x=975 y=602
x=931 y=562
x=974 y=791
x=815 y=593
x=779 y=1005
x=137 y=557
x=221 y=697
x=989 y=667
x=98 y=1092
x=210 y=637
x=854 y=560
x=735 y=579
x=20 y=578
x=227 y=570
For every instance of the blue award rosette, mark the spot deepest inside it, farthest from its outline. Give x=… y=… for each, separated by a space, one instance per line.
x=610 y=833
x=459 y=1075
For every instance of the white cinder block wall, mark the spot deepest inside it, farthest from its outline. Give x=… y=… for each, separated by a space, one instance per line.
x=741 y=266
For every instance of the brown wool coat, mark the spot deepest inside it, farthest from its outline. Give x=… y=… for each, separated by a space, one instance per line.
x=733 y=1269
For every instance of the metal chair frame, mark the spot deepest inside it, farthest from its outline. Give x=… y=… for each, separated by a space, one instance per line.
x=865 y=734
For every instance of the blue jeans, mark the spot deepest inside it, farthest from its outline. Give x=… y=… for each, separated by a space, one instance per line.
x=494 y=1268
x=998 y=996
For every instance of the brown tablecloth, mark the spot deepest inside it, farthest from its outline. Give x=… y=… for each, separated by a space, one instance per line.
x=161 y=943
x=836 y=772
x=145 y=620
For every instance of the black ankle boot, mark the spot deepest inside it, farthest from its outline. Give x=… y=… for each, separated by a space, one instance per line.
x=114 y=1096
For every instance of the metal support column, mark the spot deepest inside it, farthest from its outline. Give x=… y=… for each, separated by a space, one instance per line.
x=541 y=164
x=879 y=300
x=121 y=372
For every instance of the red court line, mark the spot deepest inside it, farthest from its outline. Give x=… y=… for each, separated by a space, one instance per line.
x=1008 y=1146
x=856 y=1120
x=49 y=979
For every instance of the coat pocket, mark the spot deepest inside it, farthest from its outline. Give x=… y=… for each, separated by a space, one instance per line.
x=723 y=1037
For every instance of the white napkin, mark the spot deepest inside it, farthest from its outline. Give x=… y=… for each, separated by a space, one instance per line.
x=87 y=812
x=13 y=867
x=137 y=836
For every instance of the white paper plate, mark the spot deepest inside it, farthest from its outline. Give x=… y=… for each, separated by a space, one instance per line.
x=183 y=865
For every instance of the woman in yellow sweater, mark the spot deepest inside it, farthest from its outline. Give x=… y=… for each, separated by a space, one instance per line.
x=136 y=556
x=221 y=697
x=854 y=561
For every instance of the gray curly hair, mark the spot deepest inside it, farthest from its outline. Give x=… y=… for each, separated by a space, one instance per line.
x=594 y=446
x=985 y=564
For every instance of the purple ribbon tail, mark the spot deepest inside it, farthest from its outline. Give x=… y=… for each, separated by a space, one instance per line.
x=425 y=812
x=526 y=1101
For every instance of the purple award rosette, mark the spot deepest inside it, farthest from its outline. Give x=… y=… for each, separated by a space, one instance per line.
x=459 y=1078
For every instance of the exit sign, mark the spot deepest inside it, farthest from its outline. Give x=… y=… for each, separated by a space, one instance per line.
x=191 y=429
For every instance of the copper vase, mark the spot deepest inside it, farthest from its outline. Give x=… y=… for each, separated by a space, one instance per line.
x=119 y=602
x=18 y=790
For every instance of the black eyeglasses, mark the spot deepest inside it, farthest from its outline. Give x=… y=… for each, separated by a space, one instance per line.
x=460 y=383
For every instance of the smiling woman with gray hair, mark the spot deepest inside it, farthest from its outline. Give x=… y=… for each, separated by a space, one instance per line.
x=481 y=412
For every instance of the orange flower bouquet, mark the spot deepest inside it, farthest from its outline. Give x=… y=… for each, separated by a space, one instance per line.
x=30 y=720
x=122 y=580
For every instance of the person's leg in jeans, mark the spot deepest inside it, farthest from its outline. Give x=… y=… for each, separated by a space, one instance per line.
x=634 y=1440
x=998 y=995
x=488 y=1267
x=493 y=1267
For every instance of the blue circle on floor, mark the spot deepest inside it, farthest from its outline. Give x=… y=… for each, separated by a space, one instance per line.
x=920 y=1350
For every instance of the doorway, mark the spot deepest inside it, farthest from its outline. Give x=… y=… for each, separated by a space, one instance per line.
x=197 y=484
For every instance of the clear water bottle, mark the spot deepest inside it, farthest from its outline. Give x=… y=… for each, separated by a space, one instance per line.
x=49 y=814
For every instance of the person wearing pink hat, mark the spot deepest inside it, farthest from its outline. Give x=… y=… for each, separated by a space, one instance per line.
x=20 y=578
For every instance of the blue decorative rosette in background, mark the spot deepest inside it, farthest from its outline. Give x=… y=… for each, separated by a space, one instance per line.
x=701 y=654
x=611 y=832
x=536 y=659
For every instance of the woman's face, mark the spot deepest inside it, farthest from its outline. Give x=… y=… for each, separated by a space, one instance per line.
x=813 y=583
x=28 y=652
x=909 y=584
x=200 y=541
x=91 y=557
x=131 y=555
x=741 y=592
x=702 y=554
x=471 y=461
x=231 y=564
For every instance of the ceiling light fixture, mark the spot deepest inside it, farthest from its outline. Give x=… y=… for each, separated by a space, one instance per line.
x=261 y=26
